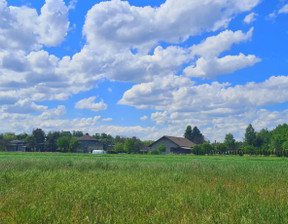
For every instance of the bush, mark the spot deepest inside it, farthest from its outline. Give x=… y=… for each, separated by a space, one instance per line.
x=155 y=152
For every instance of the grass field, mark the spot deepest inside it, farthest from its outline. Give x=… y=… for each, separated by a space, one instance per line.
x=85 y=188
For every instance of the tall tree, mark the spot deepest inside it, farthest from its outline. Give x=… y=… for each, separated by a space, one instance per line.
x=250 y=135
x=51 y=141
x=188 y=133
x=129 y=145
x=197 y=138
x=39 y=136
x=229 y=141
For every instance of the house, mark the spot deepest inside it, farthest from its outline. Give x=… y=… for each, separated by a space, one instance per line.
x=88 y=144
x=173 y=145
x=16 y=146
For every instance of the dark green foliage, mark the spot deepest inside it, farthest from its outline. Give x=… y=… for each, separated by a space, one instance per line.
x=194 y=135
x=5 y=139
x=68 y=144
x=51 y=141
x=119 y=147
x=250 y=135
x=77 y=134
x=188 y=133
x=39 y=138
x=161 y=148
x=221 y=148
x=31 y=143
x=230 y=141
x=129 y=145
x=22 y=136
x=154 y=152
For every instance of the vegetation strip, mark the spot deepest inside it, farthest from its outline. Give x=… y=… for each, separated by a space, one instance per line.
x=85 y=188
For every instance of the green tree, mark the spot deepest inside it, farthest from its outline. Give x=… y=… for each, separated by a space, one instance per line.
x=221 y=148
x=162 y=148
x=22 y=136
x=74 y=144
x=39 y=136
x=129 y=145
x=31 y=143
x=77 y=134
x=119 y=147
x=207 y=148
x=229 y=141
x=197 y=150
x=263 y=139
x=197 y=136
x=5 y=139
x=188 y=133
x=63 y=143
x=51 y=141
x=250 y=135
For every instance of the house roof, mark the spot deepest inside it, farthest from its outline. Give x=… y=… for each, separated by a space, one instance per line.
x=180 y=141
x=87 y=138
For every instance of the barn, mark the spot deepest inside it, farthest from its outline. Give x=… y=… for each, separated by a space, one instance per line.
x=88 y=144
x=178 y=145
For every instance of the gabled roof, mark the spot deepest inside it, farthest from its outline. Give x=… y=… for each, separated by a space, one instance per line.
x=180 y=141
x=87 y=138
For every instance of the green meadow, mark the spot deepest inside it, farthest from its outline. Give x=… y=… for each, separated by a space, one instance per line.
x=86 y=188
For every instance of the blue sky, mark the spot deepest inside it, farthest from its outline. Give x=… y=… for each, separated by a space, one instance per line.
x=143 y=68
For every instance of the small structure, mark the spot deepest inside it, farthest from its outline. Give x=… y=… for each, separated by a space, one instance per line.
x=172 y=144
x=16 y=146
x=98 y=152
x=88 y=144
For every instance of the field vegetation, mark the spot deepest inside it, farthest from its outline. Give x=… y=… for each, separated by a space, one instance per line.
x=85 y=188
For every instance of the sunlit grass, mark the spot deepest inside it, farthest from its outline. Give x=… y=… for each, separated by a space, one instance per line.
x=75 y=188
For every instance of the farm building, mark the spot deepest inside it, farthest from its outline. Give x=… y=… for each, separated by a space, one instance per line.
x=173 y=144
x=88 y=144
x=16 y=146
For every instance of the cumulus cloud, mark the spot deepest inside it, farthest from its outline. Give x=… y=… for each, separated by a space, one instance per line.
x=118 y=24
x=173 y=95
x=284 y=9
x=26 y=30
x=250 y=18
x=107 y=119
x=143 y=118
x=23 y=106
x=213 y=46
x=53 y=113
x=89 y=103
x=211 y=67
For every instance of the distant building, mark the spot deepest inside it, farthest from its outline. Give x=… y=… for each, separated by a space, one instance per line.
x=16 y=146
x=173 y=145
x=88 y=144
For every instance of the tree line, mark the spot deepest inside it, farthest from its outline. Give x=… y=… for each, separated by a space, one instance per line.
x=66 y=141
x=264 y=142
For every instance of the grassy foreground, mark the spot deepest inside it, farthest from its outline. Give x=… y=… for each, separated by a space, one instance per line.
x=77 y=188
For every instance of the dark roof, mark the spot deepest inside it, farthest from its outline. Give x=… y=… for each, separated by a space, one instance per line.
x=17 y=142
x=87 y=138
x=180 y=141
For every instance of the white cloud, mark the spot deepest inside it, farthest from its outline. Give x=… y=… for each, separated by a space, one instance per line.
x=211 y=67
x=179 y=94
x=116 y=23
x=143 y=118
x=250 y=18
x=107 y=119
x=284 y=9
x=53 y=22
x=53 y=113
x=89 y=103
x=23 y=107
x=26 y=30
x=213 y=46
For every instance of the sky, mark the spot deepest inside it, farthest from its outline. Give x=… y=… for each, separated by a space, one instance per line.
x=143 y=68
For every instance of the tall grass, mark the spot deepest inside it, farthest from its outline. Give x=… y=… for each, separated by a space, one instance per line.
x=71 y=188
